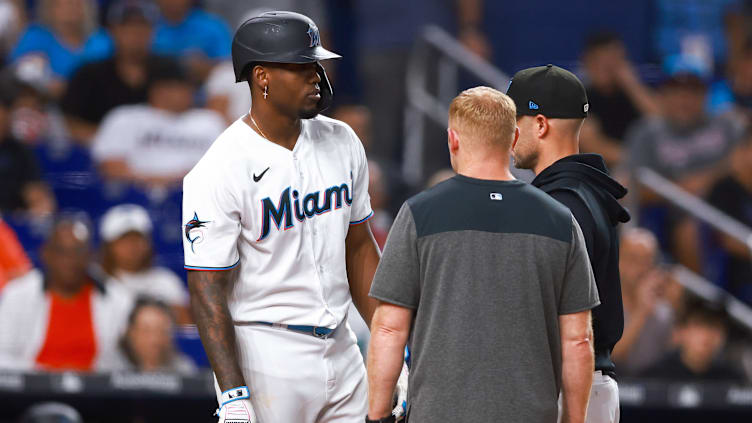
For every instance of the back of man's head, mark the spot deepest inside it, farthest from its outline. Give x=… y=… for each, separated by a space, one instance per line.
x=484 y=118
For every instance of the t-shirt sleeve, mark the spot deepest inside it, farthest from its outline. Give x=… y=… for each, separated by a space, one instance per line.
x=579 y=291
x=219 y=39
x=361 y=204
x=397 y=278
x=111 y=140
x=211 y=223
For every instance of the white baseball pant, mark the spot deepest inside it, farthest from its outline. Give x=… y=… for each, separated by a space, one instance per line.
x=295 y=377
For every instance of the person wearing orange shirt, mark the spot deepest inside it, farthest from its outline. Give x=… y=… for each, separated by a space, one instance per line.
x=13 y=259
x=62 y=318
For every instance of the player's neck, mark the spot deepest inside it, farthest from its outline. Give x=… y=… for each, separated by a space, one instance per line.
x=275 y=127
x=491 y=169
x=555 y=150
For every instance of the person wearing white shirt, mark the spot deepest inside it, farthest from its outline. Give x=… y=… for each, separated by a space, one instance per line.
x=157 y=143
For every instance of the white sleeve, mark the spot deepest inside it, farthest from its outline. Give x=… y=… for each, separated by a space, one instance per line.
x=211 y=222
x=361 y=201
x=112 y=138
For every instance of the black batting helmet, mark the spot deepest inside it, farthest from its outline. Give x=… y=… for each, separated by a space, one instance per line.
x=281 y=37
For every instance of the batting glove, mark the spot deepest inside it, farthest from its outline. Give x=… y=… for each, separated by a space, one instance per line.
x=401 y=409
x=236 y=407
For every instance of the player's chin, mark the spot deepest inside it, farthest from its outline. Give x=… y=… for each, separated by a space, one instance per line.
x=308 y=112
x=520 y=162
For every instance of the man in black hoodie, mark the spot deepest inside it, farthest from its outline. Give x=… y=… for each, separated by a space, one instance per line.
x=551 y=107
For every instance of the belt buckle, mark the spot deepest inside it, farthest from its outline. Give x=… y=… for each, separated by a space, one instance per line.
x=320 y=335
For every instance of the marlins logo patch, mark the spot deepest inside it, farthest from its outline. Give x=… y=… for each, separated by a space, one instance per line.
x=193 y=233
x=313 y=34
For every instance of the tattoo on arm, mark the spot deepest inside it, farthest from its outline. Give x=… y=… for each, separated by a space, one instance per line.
x=209 y=306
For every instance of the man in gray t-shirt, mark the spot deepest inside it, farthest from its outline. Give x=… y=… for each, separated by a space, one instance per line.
x=488 y=281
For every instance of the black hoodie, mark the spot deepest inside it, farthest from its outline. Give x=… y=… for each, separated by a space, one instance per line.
x=582 y=183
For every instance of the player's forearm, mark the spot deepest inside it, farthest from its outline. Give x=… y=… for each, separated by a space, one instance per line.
x=385 y=357
x=576 y=379
x=214 y=322
x=362 y=260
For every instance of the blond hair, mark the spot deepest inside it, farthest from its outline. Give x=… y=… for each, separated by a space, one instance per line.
x=484 y=115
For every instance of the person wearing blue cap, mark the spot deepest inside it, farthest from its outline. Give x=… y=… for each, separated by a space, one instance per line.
x=684 y=144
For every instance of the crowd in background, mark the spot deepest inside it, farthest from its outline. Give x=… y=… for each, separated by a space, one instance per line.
x=105 y=105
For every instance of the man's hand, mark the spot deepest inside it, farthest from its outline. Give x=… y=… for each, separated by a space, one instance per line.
x=236 y=407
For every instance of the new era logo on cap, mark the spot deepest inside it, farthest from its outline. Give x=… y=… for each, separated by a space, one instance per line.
x=533 y=106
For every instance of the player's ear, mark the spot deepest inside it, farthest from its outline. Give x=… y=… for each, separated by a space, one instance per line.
x=541 y=126
x=516 y=136
x=454 y=140
x=261 y=76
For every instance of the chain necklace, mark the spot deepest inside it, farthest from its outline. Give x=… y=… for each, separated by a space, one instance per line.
x=257 y=127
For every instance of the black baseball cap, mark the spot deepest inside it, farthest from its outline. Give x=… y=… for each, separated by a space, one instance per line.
x=550 y=91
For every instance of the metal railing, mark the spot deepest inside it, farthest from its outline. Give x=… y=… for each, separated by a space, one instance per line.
x=425 y=102
x=711 y=216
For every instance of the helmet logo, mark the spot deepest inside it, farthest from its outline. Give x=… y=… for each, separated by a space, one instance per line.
x=313 y=34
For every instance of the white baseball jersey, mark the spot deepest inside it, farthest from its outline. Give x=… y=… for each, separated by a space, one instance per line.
x=282 y=216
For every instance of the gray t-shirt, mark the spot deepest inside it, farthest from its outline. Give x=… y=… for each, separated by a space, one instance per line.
x=675 y=153
x=488 y=267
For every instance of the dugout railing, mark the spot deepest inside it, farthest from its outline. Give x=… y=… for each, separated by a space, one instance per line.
x=433 y=80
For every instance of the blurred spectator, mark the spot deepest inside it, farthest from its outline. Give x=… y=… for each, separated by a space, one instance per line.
x=51 y=412
x=693 y=27
x=98 y=87
x=439 y=177
x=648 y=317
x=12 y=20
x=700 y=337
x=157 y=143
x=733 y=196
x=739 y=26
x=148 y=344
x=377 y=190
x=616 y=95
x=13 y=259
x=199 y=38
x=223 y=95
x=387 y=33
x=685 y=145
x=65 y=37
x=128 y=254
x=21 y=186
x=735 y=92
x=236 y=12
x=62 y=319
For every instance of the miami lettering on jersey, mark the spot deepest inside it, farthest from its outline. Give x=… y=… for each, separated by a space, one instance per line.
x=306 y=208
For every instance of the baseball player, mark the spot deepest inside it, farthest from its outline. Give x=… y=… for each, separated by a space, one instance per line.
x=277 y=243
